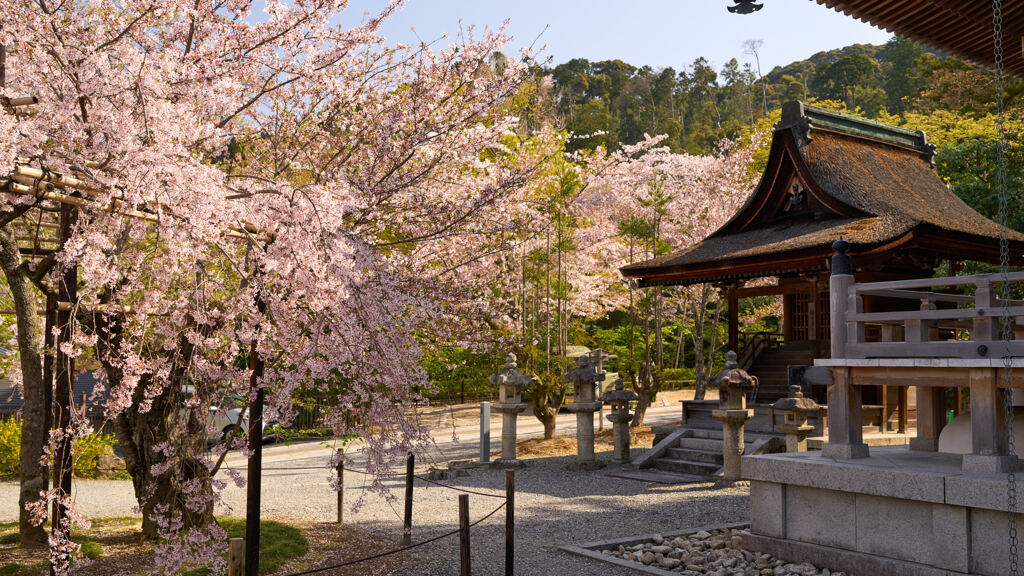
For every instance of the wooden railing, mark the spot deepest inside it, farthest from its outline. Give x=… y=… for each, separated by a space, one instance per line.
x=752 y=344
x=977 y=319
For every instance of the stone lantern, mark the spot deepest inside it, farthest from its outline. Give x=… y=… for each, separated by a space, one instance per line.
x=795 y=409
x=619 y=400
x=733 y=384
x=510 y=382
x=584 y=404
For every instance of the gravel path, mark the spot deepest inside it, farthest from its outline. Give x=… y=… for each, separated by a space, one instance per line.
x=554 y=507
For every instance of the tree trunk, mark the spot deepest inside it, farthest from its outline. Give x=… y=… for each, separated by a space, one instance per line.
x=139 y=433
x=34 y=434
x=714 y=336
x=699 y=309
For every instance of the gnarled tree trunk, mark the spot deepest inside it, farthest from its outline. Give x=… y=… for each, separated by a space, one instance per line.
x=34 y=435
x=139 y=434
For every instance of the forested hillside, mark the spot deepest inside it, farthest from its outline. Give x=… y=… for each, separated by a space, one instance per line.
x=616 y=103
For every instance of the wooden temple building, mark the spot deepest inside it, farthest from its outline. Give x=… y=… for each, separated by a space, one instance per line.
x=830 y=176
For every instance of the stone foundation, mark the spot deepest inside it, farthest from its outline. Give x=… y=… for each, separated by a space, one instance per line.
x=895 y=512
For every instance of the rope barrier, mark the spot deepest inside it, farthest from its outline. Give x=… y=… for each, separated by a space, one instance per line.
x=393 y=475
x=397 y=550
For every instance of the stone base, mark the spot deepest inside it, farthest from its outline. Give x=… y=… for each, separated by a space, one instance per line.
x=844 y=451
x=508 y=464
x=585 y=465
x=898 y=511
x=980 y=464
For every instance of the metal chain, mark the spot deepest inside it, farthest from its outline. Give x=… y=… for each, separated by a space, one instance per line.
x=1004 y=267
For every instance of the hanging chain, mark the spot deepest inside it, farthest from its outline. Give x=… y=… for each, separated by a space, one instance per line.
x=1004 y=266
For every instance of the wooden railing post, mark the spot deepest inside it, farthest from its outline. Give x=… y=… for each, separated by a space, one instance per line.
x=986 y=328
x=410 y=468
x=341 y=491
x=464 y=557
x=236 y=551
x=839 y=289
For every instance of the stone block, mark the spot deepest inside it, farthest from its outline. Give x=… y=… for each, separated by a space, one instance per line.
x=893 y=528
x=951 y=537
x=768 y=509
x=875 y=476
x=816 y=516
x=989 y=545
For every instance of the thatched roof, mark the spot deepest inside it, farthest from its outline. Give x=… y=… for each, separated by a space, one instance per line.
x=870 y=183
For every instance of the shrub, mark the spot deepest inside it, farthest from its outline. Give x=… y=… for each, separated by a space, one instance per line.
x=10 y=446
x=87 y=450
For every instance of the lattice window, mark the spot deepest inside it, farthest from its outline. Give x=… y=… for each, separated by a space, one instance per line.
x=799 y=314
x=824 y=318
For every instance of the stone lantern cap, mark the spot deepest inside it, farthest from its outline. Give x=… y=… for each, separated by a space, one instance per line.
x=732 y=382
x=732 y=376
x=620 y=395
x=509 y=382
x=583 y=379
x=796 y=402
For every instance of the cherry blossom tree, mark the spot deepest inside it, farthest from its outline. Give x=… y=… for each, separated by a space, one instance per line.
x=283 y=185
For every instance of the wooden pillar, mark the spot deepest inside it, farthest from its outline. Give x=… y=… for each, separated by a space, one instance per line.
x=254 y=483
x=845 y=432
x=931 y=417
x=67 y=291
x=734 y=318
x=988 y=424
x=901 y=410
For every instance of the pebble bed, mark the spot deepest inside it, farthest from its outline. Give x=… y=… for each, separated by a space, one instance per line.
x=717 y=553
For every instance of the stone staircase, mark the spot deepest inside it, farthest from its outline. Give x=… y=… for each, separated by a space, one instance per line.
x=697 y=452
x=771 y=368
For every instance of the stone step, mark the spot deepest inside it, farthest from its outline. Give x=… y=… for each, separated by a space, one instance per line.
x=696 y=455
x=714 y=434
x=707 y=444
x=686 y=466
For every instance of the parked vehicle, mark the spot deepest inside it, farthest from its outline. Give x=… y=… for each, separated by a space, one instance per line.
x=226 y=416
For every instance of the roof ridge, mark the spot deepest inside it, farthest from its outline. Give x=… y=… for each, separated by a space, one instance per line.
x=805 y=117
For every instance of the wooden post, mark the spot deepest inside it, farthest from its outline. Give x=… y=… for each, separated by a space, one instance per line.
x=988 y=425
x=464 y=535
x=901 y=409
x=341 y=491
x=67 y=291
x=845 y=432
x=734 y=318
x=410 y=467
x=236 y=551
x=254 y=480
x=931 y=417
x=510 y=521
x=986 y=328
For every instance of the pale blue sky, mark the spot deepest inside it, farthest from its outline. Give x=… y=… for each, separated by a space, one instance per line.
x=657 y=33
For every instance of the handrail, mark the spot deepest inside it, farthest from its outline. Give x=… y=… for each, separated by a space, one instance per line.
x=754 y=343
x=981 y=314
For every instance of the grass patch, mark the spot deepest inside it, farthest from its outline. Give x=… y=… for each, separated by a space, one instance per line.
x=12 y=538
x=15 y=569
x=91 y=549
x=279 y=542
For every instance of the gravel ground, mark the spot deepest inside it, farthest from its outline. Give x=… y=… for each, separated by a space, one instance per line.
x=554 y=507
